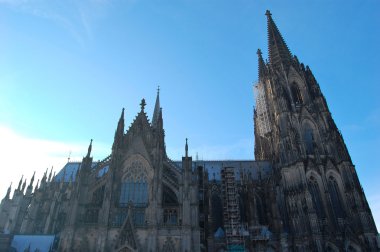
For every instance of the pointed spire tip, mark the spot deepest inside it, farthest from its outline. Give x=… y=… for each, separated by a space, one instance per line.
x=186 y=149
x=267 y=13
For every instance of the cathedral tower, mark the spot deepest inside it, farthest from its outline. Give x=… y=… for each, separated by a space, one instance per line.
x=320 y=199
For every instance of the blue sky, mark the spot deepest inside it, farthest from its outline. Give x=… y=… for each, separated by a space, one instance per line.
x=68 y=67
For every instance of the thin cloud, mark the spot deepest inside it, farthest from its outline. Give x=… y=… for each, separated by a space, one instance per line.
x=76 y=17
x=21 y=155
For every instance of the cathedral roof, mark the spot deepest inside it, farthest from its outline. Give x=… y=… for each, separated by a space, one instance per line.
x=70 y=169
x=256 y=170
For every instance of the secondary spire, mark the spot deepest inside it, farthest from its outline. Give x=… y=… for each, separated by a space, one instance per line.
x=157 y=107
x=262 y=67
x=119 y=131
x=89 y=150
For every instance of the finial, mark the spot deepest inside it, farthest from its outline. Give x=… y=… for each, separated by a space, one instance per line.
x=9 y=191
x=51 y=172
x=186 y=148
x=142 y=104
x=32 y=180
x=89 y=149
x=267 y=13
x=19 y=183
x=38 y=181
x=259 y=52
x=23 y=186
x=121 y=120
x=158 y=89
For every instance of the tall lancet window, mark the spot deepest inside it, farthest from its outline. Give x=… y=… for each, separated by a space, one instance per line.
x=336 y=198
x=134 y=190
x=316 y=197
x=216 y=211
x=309 y=139
x=170 y=205
x=296 y=93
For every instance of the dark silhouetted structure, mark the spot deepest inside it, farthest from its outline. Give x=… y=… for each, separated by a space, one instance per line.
x=300 y=194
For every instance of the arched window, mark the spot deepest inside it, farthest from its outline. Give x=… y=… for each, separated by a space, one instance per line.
x=336 y=199
x=216 y=211
x=297 y=98
x=134 y=189
x=316 y=197
x=170 y=205
x=308 y=138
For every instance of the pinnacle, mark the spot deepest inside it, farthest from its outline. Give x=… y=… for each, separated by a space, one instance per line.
x=143 y=104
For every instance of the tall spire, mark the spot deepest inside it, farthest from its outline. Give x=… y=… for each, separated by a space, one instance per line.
x=262 y=67
x=156 y=112
x=278 y=50
x=119 y=131
x=88 y=151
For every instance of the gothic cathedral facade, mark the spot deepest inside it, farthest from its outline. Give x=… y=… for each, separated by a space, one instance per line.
x=301 y=193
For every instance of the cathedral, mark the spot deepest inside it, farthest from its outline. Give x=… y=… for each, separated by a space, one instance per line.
x=300 y=193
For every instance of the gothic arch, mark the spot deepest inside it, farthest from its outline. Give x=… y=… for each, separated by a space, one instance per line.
x=296 y=94
x=331 y=172
x=336 y=193
x=136 y=180
x=331 y=247
x=173 y=191
x=134 y=185
x=310 y=136
x=138 y=161
x=168 y=245
x=296 y=81
x=314 y=184
x=127 y=239
x=259 y=207
x=352 y=247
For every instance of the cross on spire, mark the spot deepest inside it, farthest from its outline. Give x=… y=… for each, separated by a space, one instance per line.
x=143 y=104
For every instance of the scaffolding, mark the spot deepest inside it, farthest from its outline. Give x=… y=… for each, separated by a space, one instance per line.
x=232 y=226
x=262 y=115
